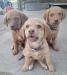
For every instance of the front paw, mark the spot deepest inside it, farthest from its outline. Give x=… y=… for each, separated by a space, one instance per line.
x=15 y=52
x=25 y=68
x=57 y=49
x=51 y=69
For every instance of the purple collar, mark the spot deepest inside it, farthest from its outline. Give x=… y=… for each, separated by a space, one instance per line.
x=38 y=48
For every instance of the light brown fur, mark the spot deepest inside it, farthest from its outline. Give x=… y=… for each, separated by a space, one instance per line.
x=15 y=20
x=53 y=16
x=34 y=31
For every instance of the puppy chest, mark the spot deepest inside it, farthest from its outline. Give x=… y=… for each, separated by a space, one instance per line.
x=52 y=37
x=37 y=55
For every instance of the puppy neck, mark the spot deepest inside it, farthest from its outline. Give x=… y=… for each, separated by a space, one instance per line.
x=36 y=46
x=52 y=28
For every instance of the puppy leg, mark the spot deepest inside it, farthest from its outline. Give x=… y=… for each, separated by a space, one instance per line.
x=28 y=65
x=15 y=48
x=55 y=46
x=31 y=66
x=42 y=64
x=48 y=62
x=15 y=44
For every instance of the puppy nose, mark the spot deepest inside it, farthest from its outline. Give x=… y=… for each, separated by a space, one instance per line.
x=56 y=21
x=31 y=31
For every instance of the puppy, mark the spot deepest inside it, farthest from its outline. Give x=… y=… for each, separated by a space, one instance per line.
x=15 y=20
x=53 y=16
x=36 y=47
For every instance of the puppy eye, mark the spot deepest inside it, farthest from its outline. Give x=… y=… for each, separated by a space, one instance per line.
x=59 y=14
x=52 y=15
x=38 y=26
x=27 y=26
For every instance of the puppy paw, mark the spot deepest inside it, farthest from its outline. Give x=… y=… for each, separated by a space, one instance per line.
x=25 y=68
x=51 y=69
x=30 y=67
x=45 y=67
x=57 y=49
x=12 y=48
x=15 y=52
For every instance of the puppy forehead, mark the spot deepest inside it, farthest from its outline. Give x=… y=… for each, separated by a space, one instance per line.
x=33 y=22
x=55 y=9
x=13 y=13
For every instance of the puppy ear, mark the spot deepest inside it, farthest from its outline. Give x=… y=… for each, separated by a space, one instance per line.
x=47 y=30
x=46 y=15
x=5 y=19
x=22 y=33
x=23 y=18
x=63 y=14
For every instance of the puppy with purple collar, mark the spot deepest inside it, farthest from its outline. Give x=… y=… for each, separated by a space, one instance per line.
x=36 y=46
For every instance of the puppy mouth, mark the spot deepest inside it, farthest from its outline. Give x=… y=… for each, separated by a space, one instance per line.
x=56 y=23
x=33 y=38
x=53 y=27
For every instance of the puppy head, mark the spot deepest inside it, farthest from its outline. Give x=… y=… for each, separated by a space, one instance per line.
x=54 y=15
x=15 y=19
x=33 y=30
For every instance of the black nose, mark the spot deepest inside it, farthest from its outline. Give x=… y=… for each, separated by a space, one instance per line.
x=56 y=21
x=31 y=31
x=13 y=28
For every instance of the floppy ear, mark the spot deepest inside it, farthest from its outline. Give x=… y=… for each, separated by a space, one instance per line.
x=23 y=18
x=63 y=14
x=47 y=30
x=5 y=20
x=46 y=15
x=22 y=33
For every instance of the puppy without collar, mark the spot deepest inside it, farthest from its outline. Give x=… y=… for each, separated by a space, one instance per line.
x=53 y=16
x=15 y=19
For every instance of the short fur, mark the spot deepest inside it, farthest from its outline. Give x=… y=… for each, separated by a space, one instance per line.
x=36 y=46
x=15 y=20
x=53 y=16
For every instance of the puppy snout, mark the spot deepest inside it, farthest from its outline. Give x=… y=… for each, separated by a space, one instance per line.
x=31 y=31
x=56 y=21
